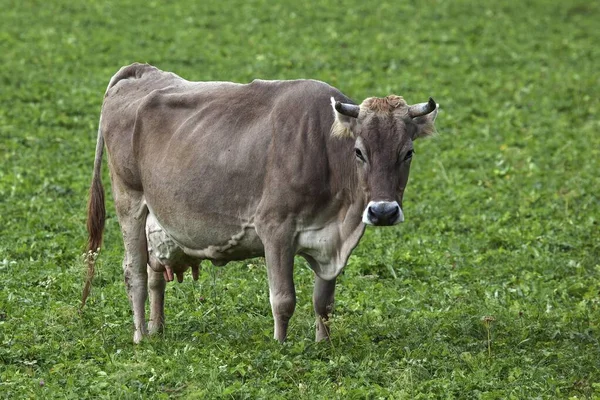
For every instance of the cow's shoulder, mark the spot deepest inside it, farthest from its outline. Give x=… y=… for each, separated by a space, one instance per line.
x=294 y=87
x=297 y=98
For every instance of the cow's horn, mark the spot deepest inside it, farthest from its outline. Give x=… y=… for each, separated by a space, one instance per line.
x=422 y=108
x=349 y=110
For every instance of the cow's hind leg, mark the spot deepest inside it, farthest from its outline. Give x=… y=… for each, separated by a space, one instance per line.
x=156 y=285
x=132 y=218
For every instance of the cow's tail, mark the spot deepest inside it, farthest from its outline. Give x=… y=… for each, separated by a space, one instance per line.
x=96 y=215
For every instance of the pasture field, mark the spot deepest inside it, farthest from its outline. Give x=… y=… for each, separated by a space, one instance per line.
x=490 y=289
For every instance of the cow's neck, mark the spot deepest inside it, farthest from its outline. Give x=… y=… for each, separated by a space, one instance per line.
x=346 y=185
x=352 y=228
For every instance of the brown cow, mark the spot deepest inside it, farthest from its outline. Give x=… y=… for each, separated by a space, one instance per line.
x=225 y=171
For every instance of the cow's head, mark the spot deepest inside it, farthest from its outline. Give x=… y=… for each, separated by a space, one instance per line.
x=384 y=130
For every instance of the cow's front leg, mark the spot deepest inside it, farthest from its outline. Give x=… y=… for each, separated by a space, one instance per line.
x=323 y=299
x=156 y=285
x=282 y=294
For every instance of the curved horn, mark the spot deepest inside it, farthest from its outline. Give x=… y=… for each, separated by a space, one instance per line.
x=422 y=108
x=349 y=110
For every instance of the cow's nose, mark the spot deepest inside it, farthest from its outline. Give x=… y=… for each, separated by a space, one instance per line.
x=384 y=213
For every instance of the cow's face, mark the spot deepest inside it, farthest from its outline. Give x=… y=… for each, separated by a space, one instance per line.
x=384 y=130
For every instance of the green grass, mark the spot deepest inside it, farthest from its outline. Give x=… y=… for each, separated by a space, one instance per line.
x=502 y=209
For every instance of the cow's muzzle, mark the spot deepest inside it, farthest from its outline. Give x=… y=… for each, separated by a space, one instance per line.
x=383 y=213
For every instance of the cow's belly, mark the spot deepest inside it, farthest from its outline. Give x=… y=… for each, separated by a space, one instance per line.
x=220 y=244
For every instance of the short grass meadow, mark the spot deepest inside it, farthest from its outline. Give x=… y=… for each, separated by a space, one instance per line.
x=490 y=289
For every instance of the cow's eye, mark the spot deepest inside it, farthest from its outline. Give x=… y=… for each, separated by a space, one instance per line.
x=408 y=155
x=359 y=155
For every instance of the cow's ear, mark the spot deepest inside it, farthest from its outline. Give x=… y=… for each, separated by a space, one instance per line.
x=425 y=124
x=346 y=119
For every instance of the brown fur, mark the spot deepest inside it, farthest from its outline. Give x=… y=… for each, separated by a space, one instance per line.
x=383 y=104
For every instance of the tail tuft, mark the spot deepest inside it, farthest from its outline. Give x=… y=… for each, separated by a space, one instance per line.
x=96 y=217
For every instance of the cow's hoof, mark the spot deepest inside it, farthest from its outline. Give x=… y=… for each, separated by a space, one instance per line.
x=155 y=328
x=320 y=337
x=137 y=337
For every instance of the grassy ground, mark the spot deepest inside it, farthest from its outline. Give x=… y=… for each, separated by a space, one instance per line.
x=490 y=289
